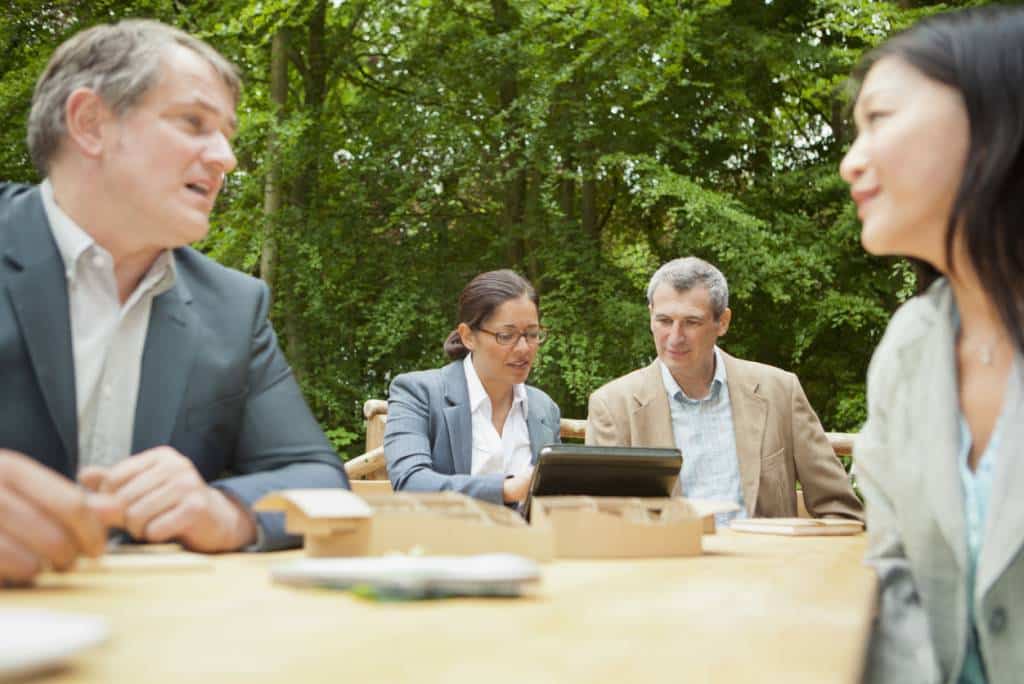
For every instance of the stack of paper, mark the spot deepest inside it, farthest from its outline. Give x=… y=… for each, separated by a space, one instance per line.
x=798 y=527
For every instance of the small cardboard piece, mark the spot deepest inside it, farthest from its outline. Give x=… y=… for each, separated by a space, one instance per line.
x=336 y=522
x=708 y=508
x=618 y=527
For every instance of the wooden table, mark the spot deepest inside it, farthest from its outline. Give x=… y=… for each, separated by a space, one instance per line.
x=752 y=609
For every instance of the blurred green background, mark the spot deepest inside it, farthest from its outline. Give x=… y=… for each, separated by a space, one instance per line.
x=390 y=150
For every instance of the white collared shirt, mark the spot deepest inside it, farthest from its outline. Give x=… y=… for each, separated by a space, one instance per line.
x=509 y=452
x=703 y=431
x=107 y=338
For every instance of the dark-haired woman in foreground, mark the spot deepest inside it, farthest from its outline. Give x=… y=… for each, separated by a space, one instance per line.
x=474 y=426
x=937 y=172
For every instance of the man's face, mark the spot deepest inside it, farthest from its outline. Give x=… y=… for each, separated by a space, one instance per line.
x=164 y=160
x=685 y=329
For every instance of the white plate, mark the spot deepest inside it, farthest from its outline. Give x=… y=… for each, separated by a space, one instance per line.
x=36 y=640
x=499 y=574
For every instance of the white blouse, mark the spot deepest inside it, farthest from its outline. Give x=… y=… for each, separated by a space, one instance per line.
x=509 y=452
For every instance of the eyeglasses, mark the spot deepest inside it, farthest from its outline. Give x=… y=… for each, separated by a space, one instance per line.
x=533 y=337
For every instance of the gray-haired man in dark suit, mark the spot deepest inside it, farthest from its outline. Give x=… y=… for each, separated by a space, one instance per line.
x=130 y=362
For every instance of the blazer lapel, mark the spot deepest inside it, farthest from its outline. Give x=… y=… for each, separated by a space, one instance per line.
x=652 y=418
x=38 y=291
x=749 y=419
x=166 y=366
x=457 y=417
x=540 y=431
x=651 y=415
x=1004 y=530
x=940 y=438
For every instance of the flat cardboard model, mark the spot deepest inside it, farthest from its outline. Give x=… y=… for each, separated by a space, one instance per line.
x=336 y=522
x=614 y=527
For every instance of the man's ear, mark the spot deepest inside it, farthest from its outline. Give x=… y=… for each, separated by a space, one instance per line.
x=723 y=321
x=85 y=114
x=467 y=337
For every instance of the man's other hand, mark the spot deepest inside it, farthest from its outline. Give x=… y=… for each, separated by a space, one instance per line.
x=46 y=521
x=164 y=498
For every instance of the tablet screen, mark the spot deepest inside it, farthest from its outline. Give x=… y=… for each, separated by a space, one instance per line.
x=572 y=469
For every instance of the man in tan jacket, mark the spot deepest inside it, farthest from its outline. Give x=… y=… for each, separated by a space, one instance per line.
x=746 y=430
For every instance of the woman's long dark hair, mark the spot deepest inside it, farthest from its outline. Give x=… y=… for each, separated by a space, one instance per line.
x=980 y=52
x=481 y=297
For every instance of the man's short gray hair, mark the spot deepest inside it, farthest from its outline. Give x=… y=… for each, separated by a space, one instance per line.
x=121 y=62
x=687 y=273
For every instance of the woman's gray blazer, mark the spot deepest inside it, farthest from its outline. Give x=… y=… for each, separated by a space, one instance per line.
x=906 y=462
x=428 y=438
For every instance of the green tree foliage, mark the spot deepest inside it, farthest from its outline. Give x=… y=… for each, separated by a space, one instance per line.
x=582 y=143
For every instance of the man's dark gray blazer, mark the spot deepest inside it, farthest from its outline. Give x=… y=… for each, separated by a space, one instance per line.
x=214 y=384
x=428 y=438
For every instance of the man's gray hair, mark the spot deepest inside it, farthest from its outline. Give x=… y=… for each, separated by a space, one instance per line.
x=687 y=273
x=121 y=62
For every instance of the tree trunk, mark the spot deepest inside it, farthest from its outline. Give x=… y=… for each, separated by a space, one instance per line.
x=272 y=187
x=588 y=194
x=506 y=20
x=303 y=191
x=567 y=197
x=314 y=91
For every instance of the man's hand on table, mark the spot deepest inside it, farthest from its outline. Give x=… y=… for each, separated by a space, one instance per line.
x=46 y=521
x=163 y=497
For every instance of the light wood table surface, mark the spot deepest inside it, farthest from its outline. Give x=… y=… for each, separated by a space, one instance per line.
x=754 y=608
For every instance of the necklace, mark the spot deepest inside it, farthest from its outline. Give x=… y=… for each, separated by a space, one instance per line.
x=985 y=353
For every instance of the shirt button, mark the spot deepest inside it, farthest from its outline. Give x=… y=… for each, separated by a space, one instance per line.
x=98 y=260
x=997 y=620
x=106 y=391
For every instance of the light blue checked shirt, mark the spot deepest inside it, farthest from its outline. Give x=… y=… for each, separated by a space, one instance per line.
x=977 y=488
x=703 y=431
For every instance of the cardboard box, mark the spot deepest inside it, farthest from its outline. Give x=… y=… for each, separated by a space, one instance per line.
x=336 y=522
x=613 y=527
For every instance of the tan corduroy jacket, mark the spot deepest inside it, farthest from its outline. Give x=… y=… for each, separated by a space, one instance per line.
x=779 y=439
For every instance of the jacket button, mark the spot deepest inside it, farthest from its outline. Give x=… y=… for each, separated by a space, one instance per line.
x=997 y=620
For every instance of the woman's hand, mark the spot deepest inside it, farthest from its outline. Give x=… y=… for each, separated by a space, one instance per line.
x=517 y=487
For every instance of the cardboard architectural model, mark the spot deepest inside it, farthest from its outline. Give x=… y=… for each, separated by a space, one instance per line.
x=336 y=522
x=617 y=527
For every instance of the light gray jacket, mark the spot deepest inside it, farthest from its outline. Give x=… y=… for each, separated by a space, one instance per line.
x=428 y=438
x=906 y=460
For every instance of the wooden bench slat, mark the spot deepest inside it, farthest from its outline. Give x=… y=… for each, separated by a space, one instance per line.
x=372 y=465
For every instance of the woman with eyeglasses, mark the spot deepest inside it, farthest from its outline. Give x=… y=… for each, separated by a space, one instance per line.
x=475 y=426
x=937 y=173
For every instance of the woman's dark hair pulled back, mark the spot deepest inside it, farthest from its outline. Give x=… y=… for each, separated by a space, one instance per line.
x=980 y=52
x=485 y=293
